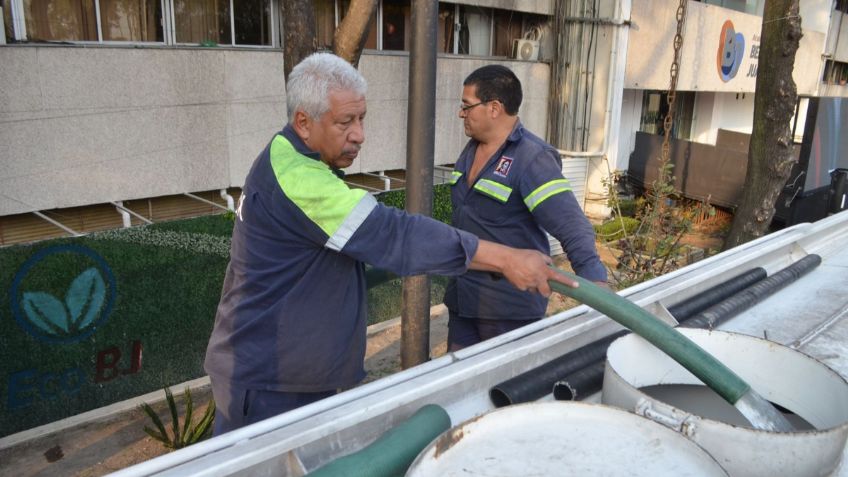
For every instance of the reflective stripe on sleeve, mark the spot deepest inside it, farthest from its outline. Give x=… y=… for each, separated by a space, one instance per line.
x=545 y=191
x=352 y=222
x=324 y=198
x=493 y=189
x=455 y=175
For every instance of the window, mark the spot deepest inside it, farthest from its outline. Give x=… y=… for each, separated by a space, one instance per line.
x=252 y=20
x=201 y=21
x=491 y=32
x=835 y=72
x=754 y=7
x=325 y=22
x=56 y=20
x=475 y=28
x=461 y=29
x=209 y=22
x=447 y=19
x=510 y=26
x=655 y=108
x=132 y=20
x=223 y=22
x=396 y=27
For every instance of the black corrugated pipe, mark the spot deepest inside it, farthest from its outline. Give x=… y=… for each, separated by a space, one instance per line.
x=587 y=375
x=589 y=380
x=581 y=383
x=420 y=148
x=700 y=302
x=537 y=382
x=721 y=312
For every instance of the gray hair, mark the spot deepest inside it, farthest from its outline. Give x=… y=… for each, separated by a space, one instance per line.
x=311 y=81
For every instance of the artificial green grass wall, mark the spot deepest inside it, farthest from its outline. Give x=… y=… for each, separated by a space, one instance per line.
x=98 y=319
x=89 y=321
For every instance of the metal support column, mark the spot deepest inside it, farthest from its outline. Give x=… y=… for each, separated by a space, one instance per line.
x=420 y=147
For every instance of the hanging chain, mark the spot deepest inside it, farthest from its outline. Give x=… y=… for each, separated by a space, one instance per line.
x=672 y=89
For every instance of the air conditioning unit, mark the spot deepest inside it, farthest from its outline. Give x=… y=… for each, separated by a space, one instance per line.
x=524 y=49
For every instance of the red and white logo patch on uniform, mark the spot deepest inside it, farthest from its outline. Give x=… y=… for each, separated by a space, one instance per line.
x=504 y=164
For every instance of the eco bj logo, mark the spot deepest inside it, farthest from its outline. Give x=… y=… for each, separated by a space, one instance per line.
x=731 y=47
x=62 y=294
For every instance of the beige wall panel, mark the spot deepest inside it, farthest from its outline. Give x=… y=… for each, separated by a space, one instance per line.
x=385 y=124
x=254 y=86
x=653 y=29
x=110 y=124
x=815 y=15
x=256 y=107
x=20 y=94
x=544 y=7
x=386 y=132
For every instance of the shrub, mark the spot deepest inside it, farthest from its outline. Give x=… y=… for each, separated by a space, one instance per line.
x=616 y=228
x=190 y=432
x=442 y=209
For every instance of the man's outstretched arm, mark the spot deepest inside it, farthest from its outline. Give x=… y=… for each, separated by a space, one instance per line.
x=527 y=270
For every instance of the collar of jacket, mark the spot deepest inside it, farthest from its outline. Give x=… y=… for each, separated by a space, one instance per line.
x=302 y=148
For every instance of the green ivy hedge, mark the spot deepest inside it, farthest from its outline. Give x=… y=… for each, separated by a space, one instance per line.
x=442 y=209
x=615 y=228
x=160 y=283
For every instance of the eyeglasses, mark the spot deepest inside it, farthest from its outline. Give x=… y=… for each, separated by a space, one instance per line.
x=467 y=107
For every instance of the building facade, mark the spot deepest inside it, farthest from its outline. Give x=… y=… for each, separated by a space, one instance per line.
x=117 y=101
x=105 y=104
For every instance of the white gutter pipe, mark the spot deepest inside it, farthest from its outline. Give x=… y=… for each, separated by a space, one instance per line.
x=230 y=202
x=125 y=215
x=615 y=85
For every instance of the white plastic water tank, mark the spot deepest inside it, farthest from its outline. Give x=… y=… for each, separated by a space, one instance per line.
x=562 y=438
x=817 y=395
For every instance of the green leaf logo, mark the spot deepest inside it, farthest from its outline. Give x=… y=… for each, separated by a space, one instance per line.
x=87 y=302
x=46 y=312
x=84 y=299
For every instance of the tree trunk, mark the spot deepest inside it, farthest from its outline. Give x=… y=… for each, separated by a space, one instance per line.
x=299 y=38
x=771 y=153
x=352 y=32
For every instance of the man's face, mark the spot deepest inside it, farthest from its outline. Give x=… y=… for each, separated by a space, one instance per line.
x=339 y=133
x=474 y=113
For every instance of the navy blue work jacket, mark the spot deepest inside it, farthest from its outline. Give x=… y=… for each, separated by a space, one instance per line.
x=292 y=315
x=518 y=195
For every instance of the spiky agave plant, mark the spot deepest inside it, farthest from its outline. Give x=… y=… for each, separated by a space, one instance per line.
x=190 y=433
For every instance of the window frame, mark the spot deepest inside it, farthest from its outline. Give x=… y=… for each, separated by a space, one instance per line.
x=169 y=33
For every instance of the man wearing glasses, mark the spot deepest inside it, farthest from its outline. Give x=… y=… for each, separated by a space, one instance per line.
x=507 y=186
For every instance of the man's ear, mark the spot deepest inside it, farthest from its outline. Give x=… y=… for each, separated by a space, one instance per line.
x=302 y=124
x=497 y=109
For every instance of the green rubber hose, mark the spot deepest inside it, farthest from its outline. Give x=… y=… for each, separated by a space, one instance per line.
x=680 y=348
x=393 y=452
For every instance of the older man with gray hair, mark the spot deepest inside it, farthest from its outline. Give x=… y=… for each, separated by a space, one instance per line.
x=290 y=326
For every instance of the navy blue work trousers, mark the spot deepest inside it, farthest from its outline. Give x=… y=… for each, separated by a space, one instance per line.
x=237 y=407
x=464 y=332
